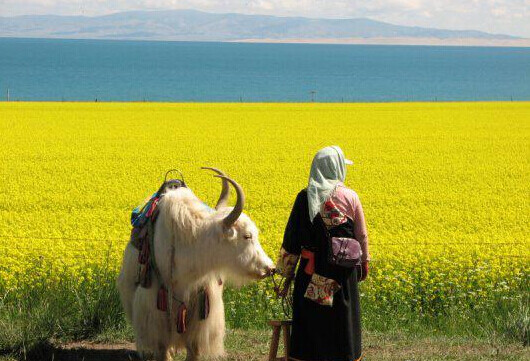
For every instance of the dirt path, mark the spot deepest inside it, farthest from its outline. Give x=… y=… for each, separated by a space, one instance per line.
x=253 y=346
x=88 y=351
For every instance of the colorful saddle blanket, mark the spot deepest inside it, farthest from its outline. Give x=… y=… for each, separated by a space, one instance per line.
x=141 y=213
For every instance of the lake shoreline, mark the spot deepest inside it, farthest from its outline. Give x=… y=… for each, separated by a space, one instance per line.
x=471 y=42
x=400 y=41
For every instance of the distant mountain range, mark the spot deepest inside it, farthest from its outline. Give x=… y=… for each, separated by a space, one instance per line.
x=192 y=25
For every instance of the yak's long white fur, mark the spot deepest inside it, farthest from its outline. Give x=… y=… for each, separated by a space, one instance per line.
x=203 y=253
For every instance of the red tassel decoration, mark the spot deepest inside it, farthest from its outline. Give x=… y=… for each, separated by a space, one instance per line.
x=181 y=318
x=204 y=303
x=161 y=300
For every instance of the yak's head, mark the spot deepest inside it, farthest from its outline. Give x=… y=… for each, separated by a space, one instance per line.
x=240 y=253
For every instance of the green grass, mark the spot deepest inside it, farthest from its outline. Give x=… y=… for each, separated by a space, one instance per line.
x=38 y=318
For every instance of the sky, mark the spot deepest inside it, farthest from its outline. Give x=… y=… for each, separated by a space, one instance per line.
x=495 y=16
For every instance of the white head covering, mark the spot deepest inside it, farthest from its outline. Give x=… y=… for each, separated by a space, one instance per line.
x=327 y=171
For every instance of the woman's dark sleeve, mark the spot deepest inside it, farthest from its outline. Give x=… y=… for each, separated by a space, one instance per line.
x=295 y=231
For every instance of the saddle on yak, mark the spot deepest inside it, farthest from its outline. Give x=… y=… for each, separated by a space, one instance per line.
x=143 y=219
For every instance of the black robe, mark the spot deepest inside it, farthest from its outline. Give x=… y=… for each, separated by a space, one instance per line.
x=319 y=332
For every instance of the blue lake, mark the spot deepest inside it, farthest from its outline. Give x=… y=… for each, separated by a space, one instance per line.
x=43 y=69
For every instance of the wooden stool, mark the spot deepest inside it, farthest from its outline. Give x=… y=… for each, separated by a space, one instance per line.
x=277 y=327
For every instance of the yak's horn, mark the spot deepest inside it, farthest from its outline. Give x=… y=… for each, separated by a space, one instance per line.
x=225 y=191
x=238 y=208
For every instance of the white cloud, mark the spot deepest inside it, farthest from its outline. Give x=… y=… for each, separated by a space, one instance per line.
x=499 y=16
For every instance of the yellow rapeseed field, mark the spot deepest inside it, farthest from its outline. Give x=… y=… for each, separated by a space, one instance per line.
x=444 y=185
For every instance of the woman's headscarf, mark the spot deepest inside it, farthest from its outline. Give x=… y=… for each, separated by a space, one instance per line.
x=327 y=171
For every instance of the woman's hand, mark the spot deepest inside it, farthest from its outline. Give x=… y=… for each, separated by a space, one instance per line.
x=362 y=271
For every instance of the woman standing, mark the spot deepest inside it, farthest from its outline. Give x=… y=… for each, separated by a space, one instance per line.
x=326 y=310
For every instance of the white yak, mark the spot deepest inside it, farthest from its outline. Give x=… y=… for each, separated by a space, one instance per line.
x=194 y=249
